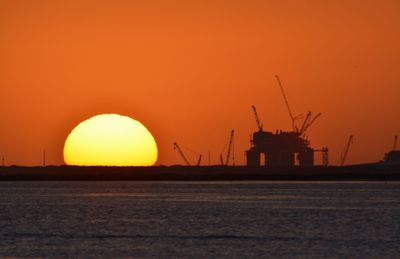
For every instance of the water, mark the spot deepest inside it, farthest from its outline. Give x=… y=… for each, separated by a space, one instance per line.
x=203 y=219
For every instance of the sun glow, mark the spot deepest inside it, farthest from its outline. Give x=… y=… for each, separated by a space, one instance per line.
x=110 y=140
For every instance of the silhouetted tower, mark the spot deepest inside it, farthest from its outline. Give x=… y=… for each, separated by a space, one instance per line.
x=395 y=143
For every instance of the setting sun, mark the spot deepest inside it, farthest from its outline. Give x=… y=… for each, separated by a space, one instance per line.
x=110 y=140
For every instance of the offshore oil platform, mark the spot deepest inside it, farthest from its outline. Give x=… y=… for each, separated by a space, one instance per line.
x=284 y=149
x=279 y=149
x=279 y=155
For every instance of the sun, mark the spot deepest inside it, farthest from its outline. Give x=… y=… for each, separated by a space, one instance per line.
x=110 y=140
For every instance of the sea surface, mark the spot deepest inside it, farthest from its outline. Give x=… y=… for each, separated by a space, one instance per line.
x=200 y=219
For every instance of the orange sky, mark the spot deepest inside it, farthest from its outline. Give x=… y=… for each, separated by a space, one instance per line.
x=191 y=71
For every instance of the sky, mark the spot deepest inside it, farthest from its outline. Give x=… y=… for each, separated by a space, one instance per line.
x=190 y=71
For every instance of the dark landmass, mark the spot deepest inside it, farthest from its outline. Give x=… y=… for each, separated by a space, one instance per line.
x=367 y=172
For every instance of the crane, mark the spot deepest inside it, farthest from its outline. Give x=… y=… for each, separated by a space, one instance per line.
x=176 y=147
x=309 y=123
x=229 y=152
x=293 y=118
x=395 y=143
x=199 y=160
x=221 y=159
x=303 y=126
x=259 y=125
x=349 y=142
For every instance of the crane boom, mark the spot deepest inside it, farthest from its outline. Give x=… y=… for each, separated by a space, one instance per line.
x=346 y=152
x=287 y=104
x=176 y=147
x=259 y=125
x=221 y=159
x=310 y=123
x=228 y=154
x=303 y=126
x=199 y=160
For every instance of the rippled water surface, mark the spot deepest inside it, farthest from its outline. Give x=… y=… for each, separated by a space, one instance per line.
x=202 y=219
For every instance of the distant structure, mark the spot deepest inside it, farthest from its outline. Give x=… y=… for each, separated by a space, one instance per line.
x=284 y=149
x=393 y=156
x=346 y=150
x=280 y=149
x=177 y=147
x=229 y=152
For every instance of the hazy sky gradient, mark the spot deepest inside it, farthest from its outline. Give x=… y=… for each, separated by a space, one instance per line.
x=191 y=71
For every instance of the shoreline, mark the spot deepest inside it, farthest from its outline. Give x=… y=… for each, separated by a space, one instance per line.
x=373 y=172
